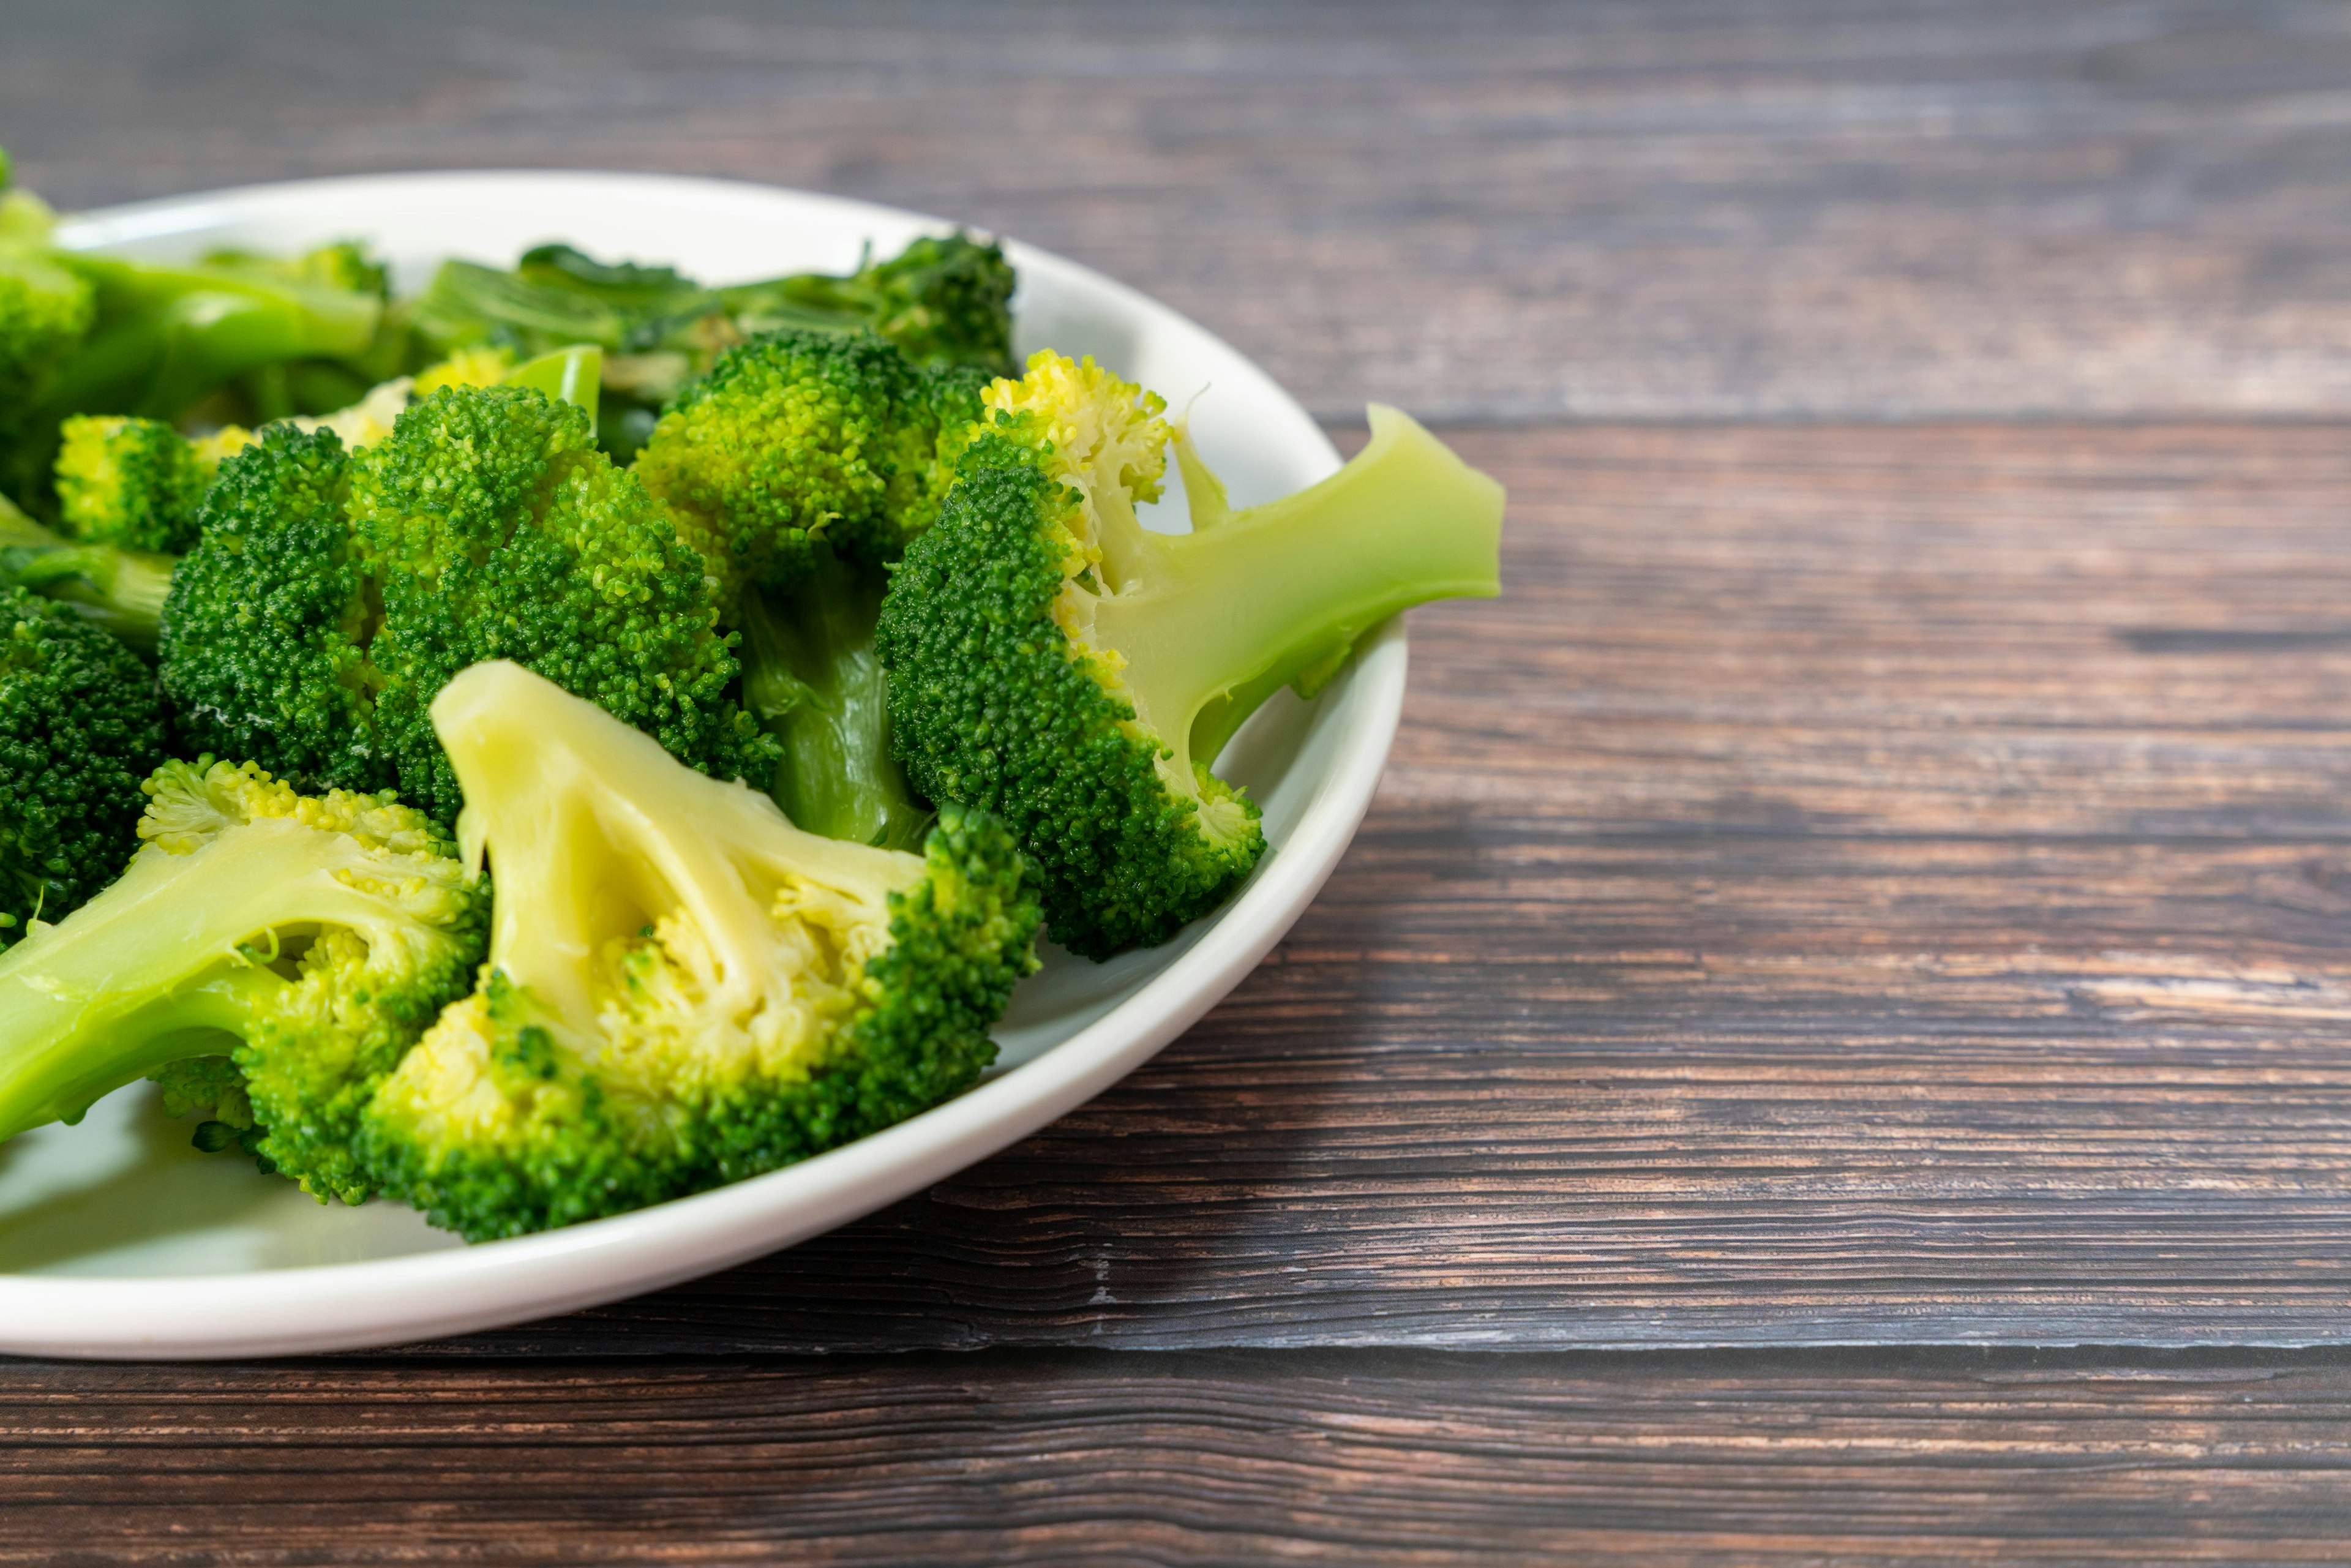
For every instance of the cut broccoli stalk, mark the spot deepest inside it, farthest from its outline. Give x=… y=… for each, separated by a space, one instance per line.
x=812 y=677
x=317 y=936
x=1052 y=660
x=121 y=590
x=1207 y=625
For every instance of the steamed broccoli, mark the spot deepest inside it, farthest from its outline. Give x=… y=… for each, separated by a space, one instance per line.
x=799 y=435
x=80 y=725
x=137 y=482
x=683 y=988
x=46 y=310
x=333 y=594
x=944 y=301
x=1051 y=661
x=120 y=590
x=82 y=333
x=312 y=940
x=812 y=677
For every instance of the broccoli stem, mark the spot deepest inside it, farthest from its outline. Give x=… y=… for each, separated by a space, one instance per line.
x=812 y=677
x=121 y=591
x=166 y=336
x=1213 y=623
x=149 y=971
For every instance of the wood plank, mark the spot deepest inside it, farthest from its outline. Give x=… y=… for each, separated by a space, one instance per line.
x=1865 y=885
x=1357 y=1459
x=1829 y=208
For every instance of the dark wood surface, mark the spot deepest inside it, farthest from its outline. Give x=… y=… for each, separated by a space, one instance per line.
x=1201 y=1457
x=1865 y=914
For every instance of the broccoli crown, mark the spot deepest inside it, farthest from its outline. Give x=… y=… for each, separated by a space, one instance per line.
x=799 y=435
x=311 y=939
x=333 y=595
x=1053 y=661
x=80 y=725
x=738 y=994
x=131 y=482
x=265 y=634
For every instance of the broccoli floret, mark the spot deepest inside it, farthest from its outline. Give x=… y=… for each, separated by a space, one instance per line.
x=333 y=594
x=80 y=725
x=810 y=675
x=310 y=939
x=683 y=988
x=797 y=435
x=266 y=633
x=131 y=482
x=121 y=591
x=1053 y=661
x=944 y=301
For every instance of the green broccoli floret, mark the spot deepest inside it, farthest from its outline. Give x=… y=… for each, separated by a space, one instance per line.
x=798 y=435
x=683 y=988
x=80 y=725
x=310 y=939
x=945 y=301
x=333 y=594
x=132 y=482
x=810 y=675
x=1053 y=661
x=120 y=591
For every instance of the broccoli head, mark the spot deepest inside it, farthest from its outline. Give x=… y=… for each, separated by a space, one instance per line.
x=801 y=436
x=683 y=988
x=132 y=482
x=80 y=725
x=308 y=939
x=1053 y=661
x=333 y=594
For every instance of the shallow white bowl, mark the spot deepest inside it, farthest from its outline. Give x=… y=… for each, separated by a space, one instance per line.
x=116 y=1240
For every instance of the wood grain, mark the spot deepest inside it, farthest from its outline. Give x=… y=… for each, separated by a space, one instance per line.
x=1862 y=885
x=1201 y=1458
x=1479 y=210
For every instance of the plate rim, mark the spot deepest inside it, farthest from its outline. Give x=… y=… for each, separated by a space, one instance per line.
x=378 y=1302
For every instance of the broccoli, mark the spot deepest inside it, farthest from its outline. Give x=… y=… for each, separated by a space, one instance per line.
x=944 y=301
x=310 y=939
x=121 y=591
x=80 y=725
x=810 y=676
x=333 y=594
x=799 y=435
x=46 y=310
x=136 y=483
x=1051 y=661
x=683 y=988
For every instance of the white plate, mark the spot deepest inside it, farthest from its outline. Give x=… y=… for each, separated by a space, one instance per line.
x=116 y=1240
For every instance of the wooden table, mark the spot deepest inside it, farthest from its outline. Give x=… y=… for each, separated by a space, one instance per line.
x=1834 y=1043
